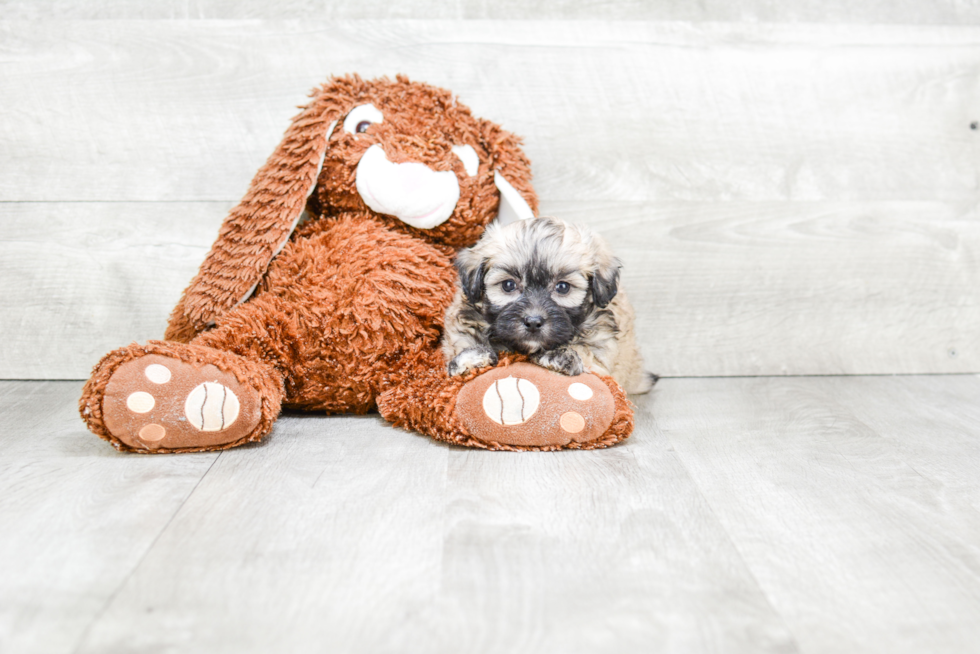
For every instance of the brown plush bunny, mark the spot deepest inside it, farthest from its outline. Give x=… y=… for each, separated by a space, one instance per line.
x=343 y=314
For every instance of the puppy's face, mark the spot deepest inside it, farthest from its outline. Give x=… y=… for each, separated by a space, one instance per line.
x=534 y=283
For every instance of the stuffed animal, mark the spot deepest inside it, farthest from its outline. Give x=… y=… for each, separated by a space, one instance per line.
x=327 y=287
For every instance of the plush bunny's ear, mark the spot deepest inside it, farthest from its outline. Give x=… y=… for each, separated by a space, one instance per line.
x=511 y=175
x=513 y=207
x=258 y=228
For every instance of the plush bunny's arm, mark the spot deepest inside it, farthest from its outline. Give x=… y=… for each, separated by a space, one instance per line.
x=259 y=226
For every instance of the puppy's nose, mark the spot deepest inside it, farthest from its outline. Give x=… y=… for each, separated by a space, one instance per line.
x=533 y=322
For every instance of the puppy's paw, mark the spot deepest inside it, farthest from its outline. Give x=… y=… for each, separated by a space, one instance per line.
x=563 y=360
x=472 y=358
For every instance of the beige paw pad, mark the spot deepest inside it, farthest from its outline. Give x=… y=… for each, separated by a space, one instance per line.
x=157 y=374
x=140 y=402
x=572 y=422
x=152 y=433
x=211 y=407
x=511 y=401
x=580 y=392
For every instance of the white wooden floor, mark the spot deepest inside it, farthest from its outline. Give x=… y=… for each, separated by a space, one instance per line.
x=810 y=514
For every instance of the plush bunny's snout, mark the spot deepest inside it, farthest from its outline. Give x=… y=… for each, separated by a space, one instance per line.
x=410 y=191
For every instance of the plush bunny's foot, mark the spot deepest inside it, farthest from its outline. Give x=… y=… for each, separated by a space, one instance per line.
x=524 y=406
x=159 y=402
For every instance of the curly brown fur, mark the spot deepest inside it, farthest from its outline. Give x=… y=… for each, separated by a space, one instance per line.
x=345 y=312
x=547 y=289
x=263 y=378
x=318 y=159
x=354 y=295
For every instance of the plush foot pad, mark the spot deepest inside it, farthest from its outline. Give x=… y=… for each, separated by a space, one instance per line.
x=155 y=402
x=524 y=405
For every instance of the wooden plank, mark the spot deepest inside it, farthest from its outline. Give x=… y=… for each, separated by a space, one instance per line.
x=611 y=551
x=719 y=288
x=81 y=279
x=808 y=514
x=904 y=414
x=77 y=516
x=820 y=11
x=611 y=110
x=790 y=288
x=318 y=541
x=344 y=535
x=858 y=547
x=753 y=273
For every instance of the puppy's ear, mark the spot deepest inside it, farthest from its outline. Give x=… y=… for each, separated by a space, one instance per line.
x=471 y=268
x=605 y=282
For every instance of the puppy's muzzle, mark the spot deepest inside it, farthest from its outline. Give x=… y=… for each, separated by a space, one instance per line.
x=533 y=322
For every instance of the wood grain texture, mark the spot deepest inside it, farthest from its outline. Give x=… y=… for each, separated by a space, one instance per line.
x=279 y=543
x=720 y=288
x=903 y=414
x=777 y=288
x=820 y=515
x=836 y=511
x=77 y=517
x=80 y=279
x=352 y=536
x=188 y=110
x=951 y=12
x=609 y=551
x=788 y=199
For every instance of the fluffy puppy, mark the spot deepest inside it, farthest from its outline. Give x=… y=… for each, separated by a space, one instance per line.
x=548 y=289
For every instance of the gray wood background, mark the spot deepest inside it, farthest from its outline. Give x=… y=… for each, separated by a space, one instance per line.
x=792 y=186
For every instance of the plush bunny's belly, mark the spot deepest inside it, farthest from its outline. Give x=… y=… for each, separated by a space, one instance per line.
x=365 y=303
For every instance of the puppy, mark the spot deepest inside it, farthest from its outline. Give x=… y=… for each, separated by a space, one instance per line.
x=548 y=289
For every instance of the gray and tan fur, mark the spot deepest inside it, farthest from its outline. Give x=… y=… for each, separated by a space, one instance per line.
x=548 y=289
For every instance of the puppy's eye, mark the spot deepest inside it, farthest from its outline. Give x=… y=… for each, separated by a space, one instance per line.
x=562 y=288
x=362 y=117
x=508 y=286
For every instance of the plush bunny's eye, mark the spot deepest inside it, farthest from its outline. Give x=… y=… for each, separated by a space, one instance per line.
x=362 y=117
